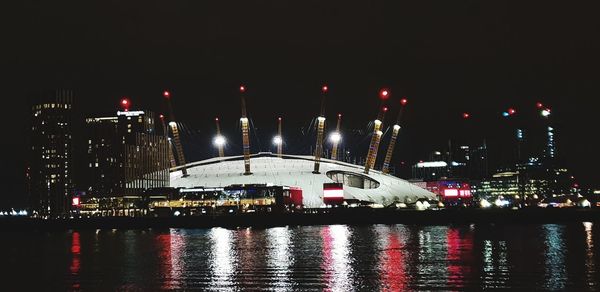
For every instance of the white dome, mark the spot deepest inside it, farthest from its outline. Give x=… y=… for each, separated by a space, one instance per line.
x=296 y=171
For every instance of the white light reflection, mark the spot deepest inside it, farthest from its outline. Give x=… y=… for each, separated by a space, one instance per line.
x=279 y=257
x=589 y=261
x=336 y=258
x=555 y=258
x=221 y=258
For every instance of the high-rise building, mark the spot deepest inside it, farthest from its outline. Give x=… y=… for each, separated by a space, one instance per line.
x=51 y=154
x=125 y=156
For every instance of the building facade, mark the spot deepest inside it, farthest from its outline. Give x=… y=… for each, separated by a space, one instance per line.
x=50 y=170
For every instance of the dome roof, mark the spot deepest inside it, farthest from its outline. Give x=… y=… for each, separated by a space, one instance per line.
x=296 y=171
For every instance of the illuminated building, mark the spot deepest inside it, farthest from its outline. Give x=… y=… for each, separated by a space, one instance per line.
x=51 y=154
x=295 y=172
x=125 y=155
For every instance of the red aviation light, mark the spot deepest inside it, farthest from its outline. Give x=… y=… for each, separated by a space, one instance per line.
x=325 y=88
x=403 y=101
x=339 y=115
x=242 y=88
x=384 y=93
x=512 y=111
x=75 y=202
x=166 y=94
x=279 y=119
x=539 y=105
x=125 y=103
x=385 y=109
x=161 y=116
x=466 y=115
x=216 y=119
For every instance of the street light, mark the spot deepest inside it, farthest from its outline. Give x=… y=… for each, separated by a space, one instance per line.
x=277 y=140
x=219 y=141
x=335 y=137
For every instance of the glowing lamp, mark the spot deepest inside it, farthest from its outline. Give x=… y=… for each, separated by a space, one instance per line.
x=539 y=105
x=378 y=122
x=166 y=94
x=403 y=101
x=277 y=140
x=511 y=111
x=125 y=103
x=385 y=109
x=242 y=88
x=505 y=114
x=161 y=116
x=546 y=112
x=172 y=124
x=335 y=137
x=466 y=115
x=339 y=115
x=75 y=201
x=325 y=88
x=384 y=94
x=219 y=141
x=396 y=127
x=279 y=119
x=217 y=119
x=379 y=133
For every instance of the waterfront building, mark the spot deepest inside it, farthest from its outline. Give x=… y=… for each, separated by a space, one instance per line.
x=50 y=160
x=125 y=155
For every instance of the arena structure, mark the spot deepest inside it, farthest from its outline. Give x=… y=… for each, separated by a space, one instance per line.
x=296 y=171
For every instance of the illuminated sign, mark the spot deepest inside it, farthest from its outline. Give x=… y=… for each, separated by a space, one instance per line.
x=432 y=164
x=450 y=193
x=333 y=193
x=130 y=114
x=75 y=201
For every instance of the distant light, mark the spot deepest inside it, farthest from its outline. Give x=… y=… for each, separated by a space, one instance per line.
x=339 y=115
x=325 y=88
x=277 y=140
x=219 y=141
x=216 y=119
x=539 y=105
x=432 y=164
x=242 y=88
x=512 y=111
x=172 y=124
x=377 y=122
x=403 y=101
x=546 y=112
x=396 y=127
x=385 y=109
x=466 y=115
x=379 y=133
x=75 y=202
x=384 y=94
x=125 y=103
x=335 y=137
x=505 y=114
x=279 y=119
x=321 y=119
x=161 y=116
x=166 y=94
x=484 y=203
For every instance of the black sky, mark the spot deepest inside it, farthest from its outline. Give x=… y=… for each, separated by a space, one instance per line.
x=446 y=56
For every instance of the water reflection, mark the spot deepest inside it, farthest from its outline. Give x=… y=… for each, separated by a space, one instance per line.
x=337 y=259
x=221 y=258
x=75 y=259
x=554 y=257
x=333 y=258
x=393 y=274
x=590 y=266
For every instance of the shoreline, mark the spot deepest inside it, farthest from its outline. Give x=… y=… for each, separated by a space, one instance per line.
x=341 y=216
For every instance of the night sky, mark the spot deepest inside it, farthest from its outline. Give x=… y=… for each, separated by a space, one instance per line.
x=447 y=57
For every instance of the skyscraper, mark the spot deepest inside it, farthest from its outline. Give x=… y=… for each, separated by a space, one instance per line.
x=125 y=155
x=51 y=153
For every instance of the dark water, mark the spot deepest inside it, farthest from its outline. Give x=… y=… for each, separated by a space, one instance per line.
x=335 y=258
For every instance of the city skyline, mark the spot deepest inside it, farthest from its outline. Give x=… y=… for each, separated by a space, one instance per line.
x=481 y=63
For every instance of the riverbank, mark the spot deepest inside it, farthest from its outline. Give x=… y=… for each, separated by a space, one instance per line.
x=340 y=216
